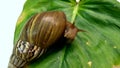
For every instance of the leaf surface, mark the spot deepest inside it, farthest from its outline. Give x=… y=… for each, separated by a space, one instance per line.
x=97 y=47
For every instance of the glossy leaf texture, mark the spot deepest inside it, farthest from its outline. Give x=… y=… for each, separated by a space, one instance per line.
x=97 y=47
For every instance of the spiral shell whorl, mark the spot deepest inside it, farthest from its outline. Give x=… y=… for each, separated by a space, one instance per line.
x=23 y=53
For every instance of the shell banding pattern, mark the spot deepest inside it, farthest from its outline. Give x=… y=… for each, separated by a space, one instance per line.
x=25 y=52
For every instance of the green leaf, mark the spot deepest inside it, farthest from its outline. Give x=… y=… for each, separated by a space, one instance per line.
x=97 y=47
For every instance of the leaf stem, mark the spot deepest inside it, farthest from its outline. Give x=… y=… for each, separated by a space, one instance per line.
x=75 y=12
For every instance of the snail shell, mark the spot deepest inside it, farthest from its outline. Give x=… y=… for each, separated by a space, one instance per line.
x=44 y=29
x=40 y=32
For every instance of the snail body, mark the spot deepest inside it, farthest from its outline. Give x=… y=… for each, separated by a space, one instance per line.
x=38 y=34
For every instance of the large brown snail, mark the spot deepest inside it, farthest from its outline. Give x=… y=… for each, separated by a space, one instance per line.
x=38 y=34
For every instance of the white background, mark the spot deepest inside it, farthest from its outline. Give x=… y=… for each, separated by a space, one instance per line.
x=9 y=13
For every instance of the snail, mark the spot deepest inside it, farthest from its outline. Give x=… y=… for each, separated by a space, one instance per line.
x=39 y=33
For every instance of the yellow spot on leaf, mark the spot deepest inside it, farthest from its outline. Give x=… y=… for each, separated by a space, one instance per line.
x=20 y=19
x=87 y=43
x=90 y=63
x=118 y=66
x=114 y=47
